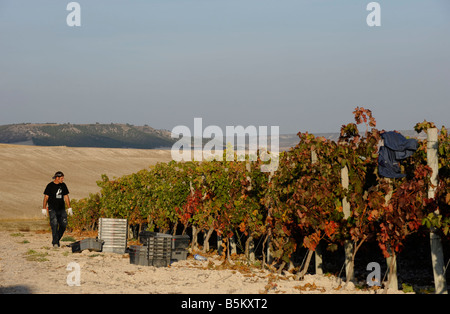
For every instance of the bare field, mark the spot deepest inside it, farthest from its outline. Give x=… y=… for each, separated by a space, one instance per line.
x=26 y=170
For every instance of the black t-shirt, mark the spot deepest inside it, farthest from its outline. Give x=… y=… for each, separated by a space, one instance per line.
x=56 y=194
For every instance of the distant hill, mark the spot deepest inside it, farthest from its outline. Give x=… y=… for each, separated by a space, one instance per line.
x=118 y=136
x=86 y=135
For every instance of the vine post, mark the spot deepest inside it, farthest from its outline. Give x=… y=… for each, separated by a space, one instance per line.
x=269 y=248
x=346 y=209
x=391 y=261
x=233 y=245
x=318 y=251
x=249 y=243
x=437 y=255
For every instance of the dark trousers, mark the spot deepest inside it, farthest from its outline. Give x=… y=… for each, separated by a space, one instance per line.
x=58 y=223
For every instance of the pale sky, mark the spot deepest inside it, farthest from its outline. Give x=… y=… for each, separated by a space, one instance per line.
x=302 y=65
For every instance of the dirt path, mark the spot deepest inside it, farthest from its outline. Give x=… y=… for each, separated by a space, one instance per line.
x=28 y=264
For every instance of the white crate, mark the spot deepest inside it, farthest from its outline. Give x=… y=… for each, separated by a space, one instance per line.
x=115 y=234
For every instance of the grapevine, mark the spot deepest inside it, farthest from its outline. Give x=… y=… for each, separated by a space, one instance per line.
x=299 y=205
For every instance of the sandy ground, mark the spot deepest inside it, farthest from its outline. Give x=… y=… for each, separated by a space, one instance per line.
x=26 y=170
x=28 y=264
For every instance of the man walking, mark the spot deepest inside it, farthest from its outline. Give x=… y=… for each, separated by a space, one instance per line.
x=56 y=196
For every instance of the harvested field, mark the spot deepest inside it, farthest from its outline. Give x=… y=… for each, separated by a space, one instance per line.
x=26 y=170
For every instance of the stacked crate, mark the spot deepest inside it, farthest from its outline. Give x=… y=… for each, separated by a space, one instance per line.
x=163 y=248
x=158 y=246
x=114 y=233
x=159 y=250
x=180 y=244
x=138 y=255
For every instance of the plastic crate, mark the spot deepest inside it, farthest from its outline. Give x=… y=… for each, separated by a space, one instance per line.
x=180 y=242
x=115 y=233
x=138 y=255
x=145 y=236
x=159 y=262
x=158 y=253
x=90 y=244
x=159 y=246
x=157 y=243
x=178 y=255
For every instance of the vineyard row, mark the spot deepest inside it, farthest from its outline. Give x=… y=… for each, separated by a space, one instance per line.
x=304 y=203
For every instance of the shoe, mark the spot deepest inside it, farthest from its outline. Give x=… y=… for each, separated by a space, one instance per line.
x=55 y=246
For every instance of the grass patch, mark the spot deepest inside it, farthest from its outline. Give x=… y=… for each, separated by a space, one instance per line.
x=407 y=288
x=33 y=256
x=17 y=234
x=68 y=239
